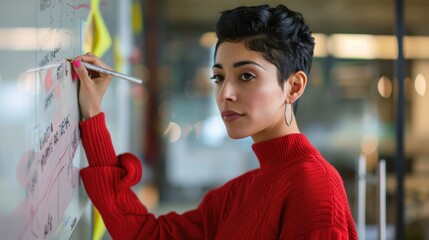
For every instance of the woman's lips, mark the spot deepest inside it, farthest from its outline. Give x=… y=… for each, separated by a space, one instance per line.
x=230 y=116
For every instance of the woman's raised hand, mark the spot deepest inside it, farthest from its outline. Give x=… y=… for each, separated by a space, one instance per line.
x=93 y=85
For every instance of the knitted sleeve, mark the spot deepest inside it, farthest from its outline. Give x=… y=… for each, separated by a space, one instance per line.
x=108 y=180
x=316 y=206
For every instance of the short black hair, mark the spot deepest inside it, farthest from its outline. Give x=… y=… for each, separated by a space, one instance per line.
x=280 y=34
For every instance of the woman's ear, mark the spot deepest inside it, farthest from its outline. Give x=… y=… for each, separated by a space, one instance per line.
x=297 y=83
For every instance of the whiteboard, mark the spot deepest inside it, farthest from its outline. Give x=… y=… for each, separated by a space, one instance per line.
x=41 y=154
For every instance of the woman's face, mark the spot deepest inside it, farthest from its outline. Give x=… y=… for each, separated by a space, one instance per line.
x=248 y=94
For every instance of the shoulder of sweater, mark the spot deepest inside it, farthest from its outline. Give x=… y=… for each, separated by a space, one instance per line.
x=314 y=171
x=316 y=184
x=314 y=165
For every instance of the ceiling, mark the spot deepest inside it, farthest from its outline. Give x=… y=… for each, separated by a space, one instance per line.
x=330 y=16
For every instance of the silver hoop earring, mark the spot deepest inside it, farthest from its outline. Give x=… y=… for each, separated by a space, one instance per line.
x=288 y=123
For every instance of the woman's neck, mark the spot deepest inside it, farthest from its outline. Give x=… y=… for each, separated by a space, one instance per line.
x=280 y=129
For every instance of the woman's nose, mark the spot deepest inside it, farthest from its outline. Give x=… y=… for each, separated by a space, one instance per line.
x=227 y=92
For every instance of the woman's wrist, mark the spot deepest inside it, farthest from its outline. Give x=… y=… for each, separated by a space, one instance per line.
x=90 y=114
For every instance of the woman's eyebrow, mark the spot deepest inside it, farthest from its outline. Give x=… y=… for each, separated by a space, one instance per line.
x=238 y=64
x=242 y=63
x=217 y=65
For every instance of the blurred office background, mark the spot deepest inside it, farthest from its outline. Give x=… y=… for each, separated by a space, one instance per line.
x=348 y=110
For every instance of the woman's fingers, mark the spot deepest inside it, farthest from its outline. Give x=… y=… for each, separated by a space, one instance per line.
x=94 y=60
x=93 y=84
x=90 y=58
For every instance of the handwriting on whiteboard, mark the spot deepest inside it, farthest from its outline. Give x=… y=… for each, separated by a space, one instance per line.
x=48 y=205
x=48 y=173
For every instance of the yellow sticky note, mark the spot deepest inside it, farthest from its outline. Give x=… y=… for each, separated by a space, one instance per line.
x=137 y=17
x=99 y=228
x=117 y=55
x=98 y=37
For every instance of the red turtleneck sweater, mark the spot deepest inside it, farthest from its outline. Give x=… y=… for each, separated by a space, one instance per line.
x=295 y=194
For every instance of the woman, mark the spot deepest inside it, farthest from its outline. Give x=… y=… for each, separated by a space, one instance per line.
x=262 y=59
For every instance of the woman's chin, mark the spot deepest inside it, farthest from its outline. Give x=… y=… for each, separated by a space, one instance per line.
x=237 y=135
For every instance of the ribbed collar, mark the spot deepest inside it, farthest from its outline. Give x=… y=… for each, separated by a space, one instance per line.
x=280 y=152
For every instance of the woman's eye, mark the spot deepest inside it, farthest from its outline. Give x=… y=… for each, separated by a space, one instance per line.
x=247 y=76
x=217 y=78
